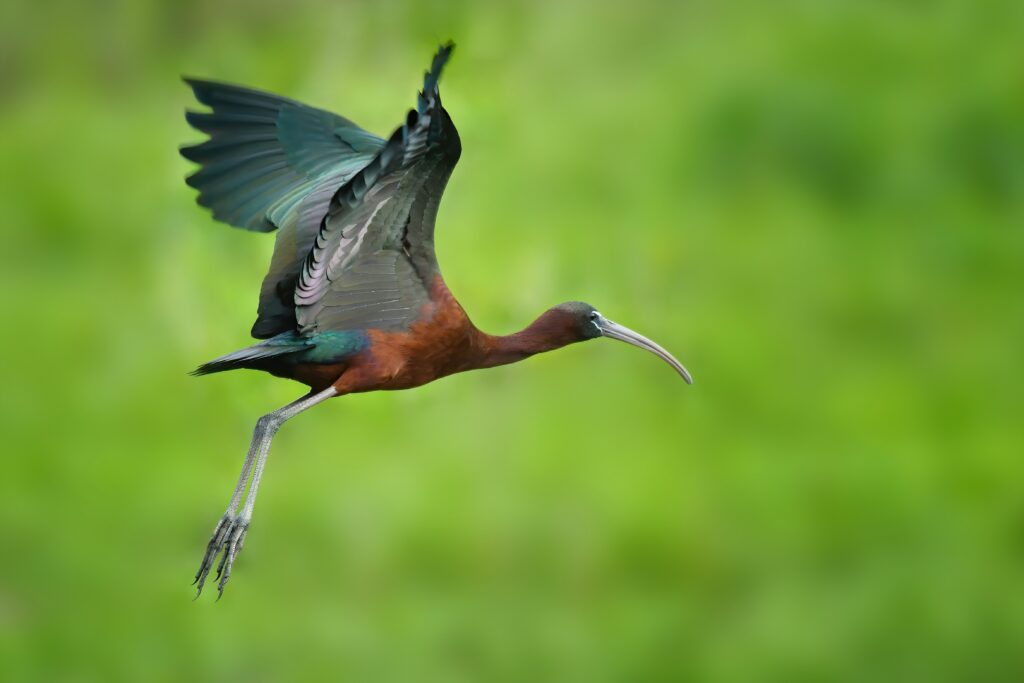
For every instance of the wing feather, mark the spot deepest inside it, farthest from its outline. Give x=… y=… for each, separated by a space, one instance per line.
x=255 y=136
x=372 y=261
x=269 y=163
x=354 y=213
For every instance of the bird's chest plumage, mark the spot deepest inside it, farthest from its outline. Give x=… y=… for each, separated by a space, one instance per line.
x=442 y=342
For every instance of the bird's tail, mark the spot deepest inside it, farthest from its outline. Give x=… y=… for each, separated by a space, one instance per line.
x=255 y=356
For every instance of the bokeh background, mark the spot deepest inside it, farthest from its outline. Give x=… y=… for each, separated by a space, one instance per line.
x=818 y=206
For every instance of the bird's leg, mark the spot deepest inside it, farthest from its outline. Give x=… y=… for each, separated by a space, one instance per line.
x=229 y=533
x=224 y=524
x=220 y=532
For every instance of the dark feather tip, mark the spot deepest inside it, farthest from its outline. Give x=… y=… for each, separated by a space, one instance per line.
x=440 y=59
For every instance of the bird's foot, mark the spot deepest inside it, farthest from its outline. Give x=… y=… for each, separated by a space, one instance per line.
x=226 y=541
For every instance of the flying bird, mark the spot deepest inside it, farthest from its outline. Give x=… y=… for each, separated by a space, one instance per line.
x=353 y=300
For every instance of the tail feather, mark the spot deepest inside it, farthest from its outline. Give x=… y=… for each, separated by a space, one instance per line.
x=253 y=357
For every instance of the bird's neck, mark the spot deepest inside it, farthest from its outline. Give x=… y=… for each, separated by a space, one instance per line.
x=548 y=332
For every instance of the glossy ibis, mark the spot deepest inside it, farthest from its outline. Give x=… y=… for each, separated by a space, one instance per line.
x=354 y=299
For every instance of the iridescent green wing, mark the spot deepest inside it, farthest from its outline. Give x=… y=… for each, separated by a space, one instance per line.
x=266 y=152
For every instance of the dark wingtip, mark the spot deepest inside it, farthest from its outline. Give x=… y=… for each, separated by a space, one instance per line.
x=200 y=85
x=189 y=151
x=199 y=120
x=430 y=78
x=196 y=85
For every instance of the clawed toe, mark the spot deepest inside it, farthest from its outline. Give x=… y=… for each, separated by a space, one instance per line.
x=226 y=541
x=236 y=537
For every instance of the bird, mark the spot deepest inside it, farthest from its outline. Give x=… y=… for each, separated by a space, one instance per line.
x=353 y=300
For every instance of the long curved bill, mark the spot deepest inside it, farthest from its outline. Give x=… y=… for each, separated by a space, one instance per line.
x=617 y=331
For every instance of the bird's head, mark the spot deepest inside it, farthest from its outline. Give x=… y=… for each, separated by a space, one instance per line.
x=580 y=321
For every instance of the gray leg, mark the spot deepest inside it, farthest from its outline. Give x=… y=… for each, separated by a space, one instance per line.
x=229 y=534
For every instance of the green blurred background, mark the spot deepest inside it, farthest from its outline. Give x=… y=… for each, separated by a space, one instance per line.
x=818 y=206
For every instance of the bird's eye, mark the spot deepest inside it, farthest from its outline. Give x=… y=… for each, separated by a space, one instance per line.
x=594 y=315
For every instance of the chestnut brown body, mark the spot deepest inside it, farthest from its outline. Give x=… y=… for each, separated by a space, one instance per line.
x=441 y=342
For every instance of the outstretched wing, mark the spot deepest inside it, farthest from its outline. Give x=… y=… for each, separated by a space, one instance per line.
x=265 y=153
x=272 y=162
x=372 y=262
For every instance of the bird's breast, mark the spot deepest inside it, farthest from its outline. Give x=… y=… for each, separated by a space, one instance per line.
x=441 y=342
